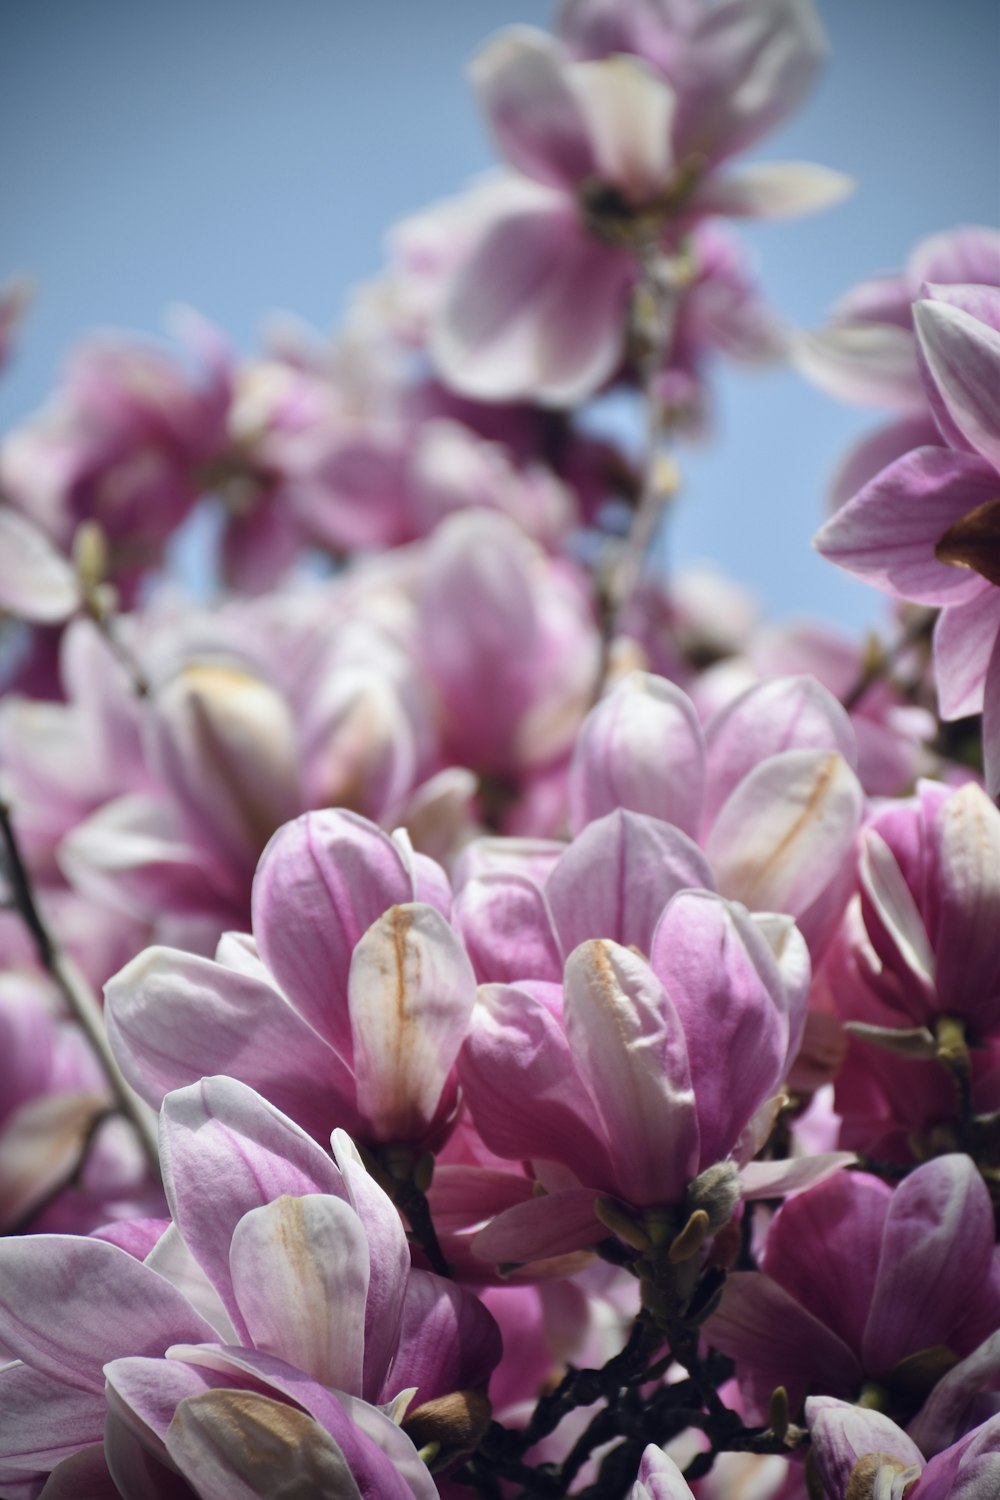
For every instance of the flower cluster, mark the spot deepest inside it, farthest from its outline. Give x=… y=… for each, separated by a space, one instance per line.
x=479 y=1016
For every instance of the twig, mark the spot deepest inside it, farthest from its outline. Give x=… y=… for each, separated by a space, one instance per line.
x=79 y=997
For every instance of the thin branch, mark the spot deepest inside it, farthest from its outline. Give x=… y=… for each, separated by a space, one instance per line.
x=79 y=997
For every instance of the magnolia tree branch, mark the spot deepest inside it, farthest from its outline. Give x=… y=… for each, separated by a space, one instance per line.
x=80 y=998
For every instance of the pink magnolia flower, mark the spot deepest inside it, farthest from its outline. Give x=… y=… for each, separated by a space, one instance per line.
x=767 y=790
x=868 y=354
x=923 y=528
x=348 y=1006
x=862 y=1286
x=624 y=1085
x=122 y=444
x=929 y=875
x=612 y=157
x=863 y=1453
x=278 y=1308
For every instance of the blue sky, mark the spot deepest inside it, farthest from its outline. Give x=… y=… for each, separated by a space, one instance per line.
x=246 y=156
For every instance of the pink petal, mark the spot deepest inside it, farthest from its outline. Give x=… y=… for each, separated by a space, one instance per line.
x=786 y=830
x=952 y=1405
x=960 y=346
x=240 y=1445
x=537 y=311
x=824 y=1248
x=870 y=364
x=723 y=981
x=991 y=723
x=389 y=1256
x=887 y=533
x=630 y=1051
x=641 y=749
x=322 y=881
x=69 y=1304
x=617 y=876
x=551 y=1225
x=776 y=1179
x=775 y=1341
x=629 y=110
x=175 y=1017
x=548 y=1114
x=221 y=1131
x=659 y=1478
x=86 y=1473
x=745 y=70
x=789 y=713
x=520 y=77
x=448 y=1341
x=506 y=925
x=43 y=1420
x=843 y=1434
x=939 y=1217
x=411 y=991
x=224 y=742
x=964 y=640
x=965 y=850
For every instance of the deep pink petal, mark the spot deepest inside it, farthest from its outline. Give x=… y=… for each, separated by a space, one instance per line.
x=775 y=1341
x=523 y=1090
x=939 y=1219
x=553 y=1224
x=506 y=925
x=448 y=1341
x=824 y=1248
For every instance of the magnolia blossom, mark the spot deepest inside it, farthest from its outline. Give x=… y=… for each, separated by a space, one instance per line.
x=613 y=158
x=274 y=1329
x=869 y=355
x=626 y=1084
x=862 y=1453
x=867 y=1288
x=923 y=528
x=348 y=1006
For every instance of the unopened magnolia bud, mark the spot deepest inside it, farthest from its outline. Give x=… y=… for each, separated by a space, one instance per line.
x=454 y=1423
x=717 y=1191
